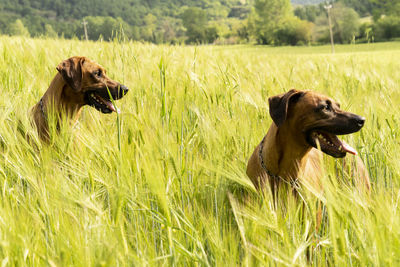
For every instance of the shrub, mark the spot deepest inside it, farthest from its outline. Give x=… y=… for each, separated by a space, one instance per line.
x=366 y=33
x=211 y=34
x=293 y=31
x=18 y=28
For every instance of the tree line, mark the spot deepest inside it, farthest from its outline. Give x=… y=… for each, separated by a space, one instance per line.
x=274 y=22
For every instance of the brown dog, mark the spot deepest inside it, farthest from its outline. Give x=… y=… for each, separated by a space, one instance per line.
x=79 y=81
x=303 y=121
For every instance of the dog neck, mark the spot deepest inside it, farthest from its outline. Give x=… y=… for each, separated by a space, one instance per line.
x=56 y=100
x=283 y=154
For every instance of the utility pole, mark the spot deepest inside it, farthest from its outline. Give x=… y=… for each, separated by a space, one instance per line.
x=84 y=22
x=328 y=8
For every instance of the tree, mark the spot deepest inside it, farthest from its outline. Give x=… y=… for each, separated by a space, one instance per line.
x=18 y=28
x=387 y=7
x=362 y=7
x=346 y=24
x=309 y=12
x=194 y=20
x=294 y=31
x=240 y=12
x=265 y=18
x=168 y=31
x=377 y=8
x=150 y=20
x=211 y=34
x=366 y=32
x=104 y=27
x=148 y=28
x=242 y=31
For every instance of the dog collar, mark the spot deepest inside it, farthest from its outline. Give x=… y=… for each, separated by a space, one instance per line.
x=42 y=109
x=263 y=164
x=293 y=183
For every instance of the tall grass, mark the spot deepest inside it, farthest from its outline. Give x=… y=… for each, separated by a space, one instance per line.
x=163 y=184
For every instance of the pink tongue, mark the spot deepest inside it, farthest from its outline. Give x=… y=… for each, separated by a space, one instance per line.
x=348 y=148
x=110 y=105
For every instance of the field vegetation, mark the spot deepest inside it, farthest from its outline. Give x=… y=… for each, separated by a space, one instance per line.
x=164 y=182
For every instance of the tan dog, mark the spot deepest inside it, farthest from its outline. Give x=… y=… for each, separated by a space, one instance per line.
x=79 y=81
x=302 y=122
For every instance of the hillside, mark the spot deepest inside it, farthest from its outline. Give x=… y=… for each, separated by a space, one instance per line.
x=140 y=16
x=306 y=2
x=202 y=21
x=148 y=20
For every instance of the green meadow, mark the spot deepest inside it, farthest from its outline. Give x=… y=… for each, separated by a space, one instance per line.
x=164 y=182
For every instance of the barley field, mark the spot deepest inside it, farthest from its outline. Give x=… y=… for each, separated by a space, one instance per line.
x=163 y=182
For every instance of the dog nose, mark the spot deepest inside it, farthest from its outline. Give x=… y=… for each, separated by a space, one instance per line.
x=360 y=121
x=124 y=89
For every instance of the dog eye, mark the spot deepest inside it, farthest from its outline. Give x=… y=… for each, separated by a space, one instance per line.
x=98 y=73
x=328 y=107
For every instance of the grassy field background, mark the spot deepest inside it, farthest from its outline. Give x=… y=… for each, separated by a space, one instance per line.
x=167 y=191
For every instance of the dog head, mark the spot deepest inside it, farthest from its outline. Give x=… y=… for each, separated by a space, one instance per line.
x=317 y=119
x=88 y=82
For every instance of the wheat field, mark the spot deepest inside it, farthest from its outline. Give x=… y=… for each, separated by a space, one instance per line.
x=162 y=182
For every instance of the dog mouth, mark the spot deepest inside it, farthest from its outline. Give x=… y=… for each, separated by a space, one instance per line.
x=100 y=103
x=329 y=144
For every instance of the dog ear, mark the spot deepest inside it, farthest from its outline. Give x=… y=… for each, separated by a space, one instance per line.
x=279 y=105
x=71 y=70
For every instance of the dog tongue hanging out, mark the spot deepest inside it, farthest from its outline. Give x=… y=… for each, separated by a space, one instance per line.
x=303 y=123
x=79 y=82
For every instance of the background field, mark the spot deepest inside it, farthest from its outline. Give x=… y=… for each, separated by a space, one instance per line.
x=159 y=192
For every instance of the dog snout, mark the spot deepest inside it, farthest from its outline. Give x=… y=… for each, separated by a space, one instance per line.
x=123 y=89
x=360 y=121
x=345 y=123
x=356 y=122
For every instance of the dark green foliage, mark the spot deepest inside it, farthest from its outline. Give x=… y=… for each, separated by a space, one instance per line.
x=387 y=7
x=266 y=17
x=387 y=28
x=211 y=34
x=103 y=27
x=366 y=33
x=17 y=28
x=201 y=21
x=306 y=2
x=376 y=8
x=240 y=12
x=293 y=31
x=155 y=21
x=309 y=12
x=346 y=24
x=362 y=7
x=194 y=19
